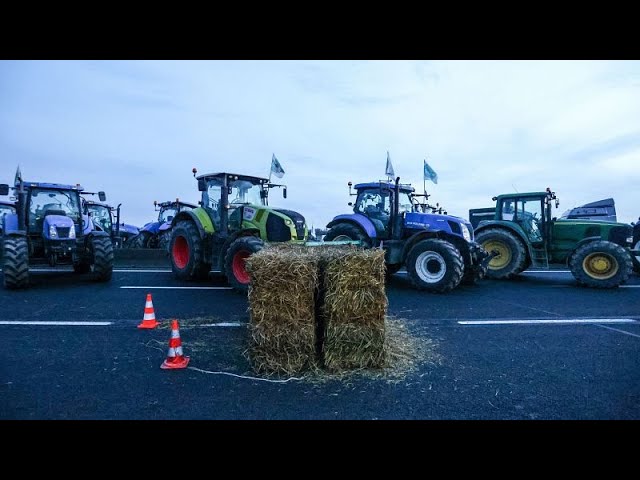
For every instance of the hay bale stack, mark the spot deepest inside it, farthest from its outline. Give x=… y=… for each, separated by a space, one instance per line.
x=282 y=309
x=354 y=309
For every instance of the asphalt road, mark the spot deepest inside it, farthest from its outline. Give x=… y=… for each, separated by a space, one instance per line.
x=572 y=354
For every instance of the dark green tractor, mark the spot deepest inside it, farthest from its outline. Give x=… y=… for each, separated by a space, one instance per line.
x=232 y=222
x=523 y=233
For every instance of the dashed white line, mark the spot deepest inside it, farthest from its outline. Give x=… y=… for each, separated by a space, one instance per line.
x=549 y=321
x=178 y=288
x=84 y=324
x=620 y=331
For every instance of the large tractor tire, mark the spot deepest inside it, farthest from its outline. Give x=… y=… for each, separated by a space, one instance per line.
x=347 y=231
x=435 y=265
x=186 y=251
x=164 y=240
x=102 y=258
x=234 y=263
x=601 y=264
x=473 y=276
x=636 y=259
x=15 y=265
x=512 y=255
x=140 y=240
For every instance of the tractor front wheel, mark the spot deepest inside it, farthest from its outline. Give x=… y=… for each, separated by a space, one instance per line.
x=141 y=240
x=511 y=258
x=16 y=262
x=435 y=265
x=102 y=253
x=347 y=231
x=636 y=259
x=186 y=250
x=235 y=267
x=164 y=240
x=601 y=264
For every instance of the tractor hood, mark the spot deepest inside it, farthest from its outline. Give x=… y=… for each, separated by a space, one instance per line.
x=125 y=227
x=151 y=227
x=450 y=223
x=59 y=224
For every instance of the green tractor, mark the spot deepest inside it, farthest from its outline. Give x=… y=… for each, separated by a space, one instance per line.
x=523 y=234
x=232 y=222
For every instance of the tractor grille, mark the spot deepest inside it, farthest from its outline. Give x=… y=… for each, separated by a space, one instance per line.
x=619 y=235
x=277 y=231
x=63 y=232
x=297 y=219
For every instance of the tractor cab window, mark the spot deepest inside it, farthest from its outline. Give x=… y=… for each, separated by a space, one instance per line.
x=6 y=209
x=45 y=202
x=167 y=214
x=376 y=205
x=529 y=215
x=243 y=192
x=101 y=216
x=508 y=210
x=211 y=200
x=404 y=202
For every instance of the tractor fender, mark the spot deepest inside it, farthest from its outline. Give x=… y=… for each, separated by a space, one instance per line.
x=11 y=223
x=164 y=227
x=460 y=243
x=356 y=219
x=189 y=215
x=580 y=244
x=247 y=232
x=96 y=233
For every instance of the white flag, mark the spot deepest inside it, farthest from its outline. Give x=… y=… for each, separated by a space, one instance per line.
x=276 y=168
x=389 y=168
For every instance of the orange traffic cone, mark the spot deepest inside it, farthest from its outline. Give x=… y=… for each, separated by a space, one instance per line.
x=149 y=319
x=175 y=358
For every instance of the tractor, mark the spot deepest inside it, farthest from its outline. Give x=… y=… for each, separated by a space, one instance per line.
x=158 y=234
x=523 y=233
x=437 y=249
x=636 y=246
x=232 y=222
x=6 y=208
x=49 y=228
x=107 y=219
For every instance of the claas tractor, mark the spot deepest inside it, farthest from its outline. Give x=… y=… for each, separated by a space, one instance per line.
x=50 y=228
x=232 y=222
x=437 y=250
x=524 y=234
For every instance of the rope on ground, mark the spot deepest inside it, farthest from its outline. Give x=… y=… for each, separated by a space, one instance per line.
x=242 y=376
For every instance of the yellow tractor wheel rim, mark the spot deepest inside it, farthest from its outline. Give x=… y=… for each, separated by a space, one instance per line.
x=600 y=266
x=503 y=257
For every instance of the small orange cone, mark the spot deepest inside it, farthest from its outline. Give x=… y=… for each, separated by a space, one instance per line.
x=149 y=319
x=175 y=358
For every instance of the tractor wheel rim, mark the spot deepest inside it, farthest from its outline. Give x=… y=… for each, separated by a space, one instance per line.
x=239 y=267
x=600 y=266
x=431 y=267
x=180 y=252
x=504 y=254
x=342 y=238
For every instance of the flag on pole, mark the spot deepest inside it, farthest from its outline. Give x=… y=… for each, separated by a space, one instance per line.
x=18 y=178
x=276 y=168
x=389 y=168
x=429 y=173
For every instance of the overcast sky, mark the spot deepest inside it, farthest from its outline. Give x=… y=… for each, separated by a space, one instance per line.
x=136 y=128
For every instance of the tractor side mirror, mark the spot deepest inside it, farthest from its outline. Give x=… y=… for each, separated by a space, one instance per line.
x=284 y=192
x=4 y=189
x=202 y=185
x=102 y=196
x=350 y=204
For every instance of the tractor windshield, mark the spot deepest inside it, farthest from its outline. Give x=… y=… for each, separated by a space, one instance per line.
x=404 y=202
x=52 y=202
x=6 y=209
x=244 y=191
x=167 y=214
x=101 y=216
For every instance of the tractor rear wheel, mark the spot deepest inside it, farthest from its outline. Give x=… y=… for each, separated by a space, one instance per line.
x=601 y=264
x=347 y=231
x=16 y=262
x=636 y=259
x=186 y=250
x=102 y=253
x=141 y=240
x=164 y=240
x=512 y=256
x=234 y=264
x=435 y=265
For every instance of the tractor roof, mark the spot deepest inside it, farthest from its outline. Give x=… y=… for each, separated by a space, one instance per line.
x=403 y=187
x=99 y=204
x=522 y=195
x=238 y=176
x=168 y=204
x=55 y=186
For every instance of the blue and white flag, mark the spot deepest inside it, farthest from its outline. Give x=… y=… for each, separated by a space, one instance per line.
x=429 y=173
x=389 y=168
x=276 y=168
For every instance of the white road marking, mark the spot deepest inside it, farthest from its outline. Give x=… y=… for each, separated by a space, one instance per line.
x=569 y=286
x=180 y=288
x=621 y=331
x=224 y=324
x=548 y=321
x=91 y=324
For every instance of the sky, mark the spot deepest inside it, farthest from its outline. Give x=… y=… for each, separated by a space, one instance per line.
x=135 y=129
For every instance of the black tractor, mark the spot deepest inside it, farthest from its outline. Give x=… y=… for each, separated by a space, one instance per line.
x=49 y=228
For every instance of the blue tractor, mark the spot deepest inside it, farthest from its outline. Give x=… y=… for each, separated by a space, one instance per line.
x=158 y=234
x=437 y=250
x=6 y=208
x=49 y=228
x=107 y=219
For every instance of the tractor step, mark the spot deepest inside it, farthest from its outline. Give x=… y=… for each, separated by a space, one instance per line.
x=539 y=258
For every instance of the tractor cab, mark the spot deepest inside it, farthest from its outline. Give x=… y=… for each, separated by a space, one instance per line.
x=375 y=200
x=530 y=211
x=101 y=215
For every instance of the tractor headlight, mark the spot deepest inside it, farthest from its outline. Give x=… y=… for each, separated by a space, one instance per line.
x=72 y=232
x=629 y=239
x=465 y=232
x=288 y=223
x=53 y=232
